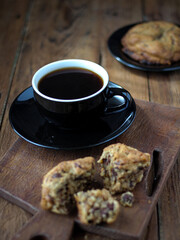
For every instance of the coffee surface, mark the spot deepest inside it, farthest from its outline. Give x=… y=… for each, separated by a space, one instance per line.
x=70 y=83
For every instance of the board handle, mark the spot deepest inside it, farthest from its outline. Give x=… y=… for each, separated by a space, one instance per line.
x=154 y=173
x=47 y=226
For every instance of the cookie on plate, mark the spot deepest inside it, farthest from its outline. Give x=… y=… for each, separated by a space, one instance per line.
x=96 y=206
x=154 y=42
x=122 y=167
x=63 y=181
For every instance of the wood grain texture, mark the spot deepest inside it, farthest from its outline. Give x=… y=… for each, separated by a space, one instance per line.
x=45 y=225
x=12 y=218
x=165 y=88
x=63 y=35
x=117 y=15
x=13 y=15
x=155 y=126
x=168 y=207
x=158 y=10
x=152 y=229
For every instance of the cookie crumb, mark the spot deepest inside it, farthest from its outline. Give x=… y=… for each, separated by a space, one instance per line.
x=127 y=199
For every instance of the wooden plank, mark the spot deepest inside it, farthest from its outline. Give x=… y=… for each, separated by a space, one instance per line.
x=13 y=19
x=44 y=224
x=117 y=15
x=13 y=15
x=165 y=89
x=152 y=232
x=156 y=10
x=12 y=219
x=169 y=213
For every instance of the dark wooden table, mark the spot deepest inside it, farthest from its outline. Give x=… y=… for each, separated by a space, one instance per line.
x=34 y=33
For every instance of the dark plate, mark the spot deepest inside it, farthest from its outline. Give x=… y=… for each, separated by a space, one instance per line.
x=115 y=47
x=28 y=123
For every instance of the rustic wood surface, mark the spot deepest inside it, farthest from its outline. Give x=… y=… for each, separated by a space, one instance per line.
x=44 y=223
x=34 y=33
x=155 y=130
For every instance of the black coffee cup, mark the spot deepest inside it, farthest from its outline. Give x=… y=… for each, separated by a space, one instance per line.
x=74 y=92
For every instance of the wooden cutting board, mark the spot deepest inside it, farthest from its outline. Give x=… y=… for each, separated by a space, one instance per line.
x=156 y=127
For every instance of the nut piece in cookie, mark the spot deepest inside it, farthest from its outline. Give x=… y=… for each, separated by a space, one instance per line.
x=154 y=42
x=122 y=167
x=127 y=199
x=63 y=181
x=96 y=206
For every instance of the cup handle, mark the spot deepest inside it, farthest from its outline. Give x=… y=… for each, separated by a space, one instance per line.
x=116 y=108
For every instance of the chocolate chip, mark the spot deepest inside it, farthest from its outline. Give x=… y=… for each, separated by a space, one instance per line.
x=172 y=41
x=90 y=221
x=131 y=184
x=78 y=165
x=51 y=199
x=107 y=160
x=78 y=178
x=104 y=211
x=104 y=160
x=57 y=175
x=114 y=173
x=95 y=209
x=110 y=206
x=127 y=199
x=60 y=190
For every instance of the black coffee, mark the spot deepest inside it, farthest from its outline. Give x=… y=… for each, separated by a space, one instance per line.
x=70 y=83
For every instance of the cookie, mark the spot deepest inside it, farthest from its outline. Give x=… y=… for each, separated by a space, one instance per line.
x=122 y=167
x=154 y=42
x=96 y=206
x=63 y=181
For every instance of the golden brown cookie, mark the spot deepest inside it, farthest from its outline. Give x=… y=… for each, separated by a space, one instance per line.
x=96 y=206
x=122 y=167
x=63 y=181
x=155 y=42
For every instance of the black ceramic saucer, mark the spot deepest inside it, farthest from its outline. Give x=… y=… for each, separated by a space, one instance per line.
x=115 y=47
x=28 y=123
